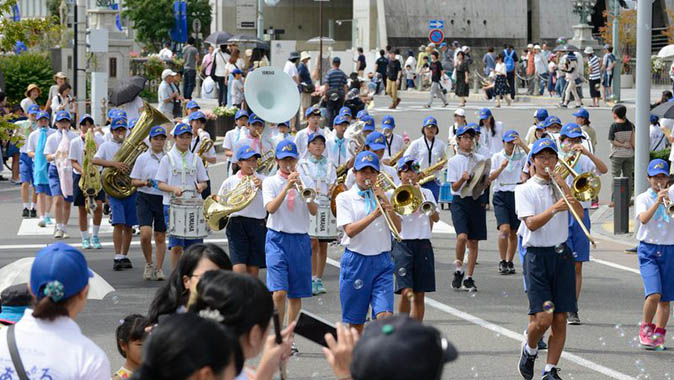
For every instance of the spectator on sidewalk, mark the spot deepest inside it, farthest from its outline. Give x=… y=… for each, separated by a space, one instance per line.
x=500 y=81
x=380 y=66
x=570 y=70
x=32 y=93
x=447 y=58
x=335 y=88
x=541 y=66
x=462 y=72
x=531 y=69
x=594 y=77
x=489 y=61
x=60 y=79
x=166 y=54
x=393 y=75
x=657 y=138
x=510 y=59
x=608 y=63
x=436 y=75
x=621 y=137
x=306 y=85
x=191 y=57
x=361 y=63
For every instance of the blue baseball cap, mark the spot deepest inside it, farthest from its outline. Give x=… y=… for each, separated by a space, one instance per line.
x=253 y=118
x=541 y=114
x=240 y=114
x=43 y=115
x=475 y=126
x=510 y=135
x=283 y=124
x=465 y=129
x=654 y=119
x=582 y=113
x=118 y=122
x=571 y=130
x=245 y=152
x=181 y=129
x=375 y=141
x=443 y=44
x=286 y=148
x=113 y=113
x=658 y=166
x=59 y=271
x=86 y=117
x=196 y=116
x=132 y=123
x=369 y=123
x=550 y=120
x=33 y=109
x=315 y=136
x=388 y=122
x=360 y=114
x=63 y=115
x=236 y=71
x=345 y=111
x=158 y=130
x=365 y=159
x=340 y=119
x=544 y=143
x=430 y=120
x=485 y=113
x=540 y=125
x=312 y=110
x=404 y=161
x=191 y=105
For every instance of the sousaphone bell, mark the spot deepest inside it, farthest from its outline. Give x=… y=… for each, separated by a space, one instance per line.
x=271 y=94
x=479 y=180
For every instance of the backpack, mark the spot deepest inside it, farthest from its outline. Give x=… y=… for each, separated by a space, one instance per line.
x=509 y=61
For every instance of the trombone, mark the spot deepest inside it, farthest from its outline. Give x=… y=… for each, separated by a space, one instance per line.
x=387 y=217
x=586 y=186
x=427 y=207
x=406 y=199
x=571 y=209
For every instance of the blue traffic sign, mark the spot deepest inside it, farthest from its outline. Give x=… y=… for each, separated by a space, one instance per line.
x=436 y=24
x=436 y=36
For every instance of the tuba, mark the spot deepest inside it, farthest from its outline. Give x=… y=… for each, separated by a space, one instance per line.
x=117 y=183
x=271 y=94
x=217 y=209
x=90 y=181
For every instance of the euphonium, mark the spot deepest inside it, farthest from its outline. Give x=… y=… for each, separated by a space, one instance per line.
x=204 y=146
x=217 y=209
x=90 y=181
x=117 y=183
x=586 y=186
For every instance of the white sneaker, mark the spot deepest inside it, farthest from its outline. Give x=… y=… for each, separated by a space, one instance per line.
x=64 y=234
x=159 y=275
x=148 y=273
x=58 y=234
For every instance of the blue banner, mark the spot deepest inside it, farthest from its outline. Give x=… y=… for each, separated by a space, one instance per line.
x=118 y=22
x=16 y=13
x=179 y=31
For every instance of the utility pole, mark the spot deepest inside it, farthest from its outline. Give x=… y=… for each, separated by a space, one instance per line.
x=320 y=42
x=643 y=79
x=79 y=47
x=617 y=70
x=260 y=20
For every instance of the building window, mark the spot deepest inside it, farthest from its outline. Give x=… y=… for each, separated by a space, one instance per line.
x=113 y=68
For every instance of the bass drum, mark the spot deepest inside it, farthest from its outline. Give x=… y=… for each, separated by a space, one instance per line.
x=324 y=224
x=186 y=218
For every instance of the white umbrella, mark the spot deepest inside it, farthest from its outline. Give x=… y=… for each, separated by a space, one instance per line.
x=18 y=272
x=666 y=52
x=326 y=40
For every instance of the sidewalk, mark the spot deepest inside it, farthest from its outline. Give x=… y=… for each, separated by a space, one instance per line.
x=602 y=225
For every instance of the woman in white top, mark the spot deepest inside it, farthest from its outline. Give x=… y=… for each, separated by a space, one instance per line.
x=32 y=93
x=501 y=83
x=63 y=101
x=47 y=336
x=219 y=73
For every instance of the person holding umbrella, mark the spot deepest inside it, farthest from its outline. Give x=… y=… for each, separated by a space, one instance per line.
x=126 y=96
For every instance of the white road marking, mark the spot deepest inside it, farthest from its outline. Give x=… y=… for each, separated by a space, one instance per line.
x=29 y=227
x=616 y=266
x=513 y=335
x=134 y=243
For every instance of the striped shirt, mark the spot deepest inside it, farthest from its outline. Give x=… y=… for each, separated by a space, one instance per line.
x=335 y=78
x=595 y=68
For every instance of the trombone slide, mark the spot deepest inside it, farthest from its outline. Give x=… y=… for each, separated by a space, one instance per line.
x=571 y=209
x=389 y=222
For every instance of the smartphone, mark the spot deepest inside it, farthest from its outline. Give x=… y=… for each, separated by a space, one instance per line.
x=314 y=328
x=277 y=327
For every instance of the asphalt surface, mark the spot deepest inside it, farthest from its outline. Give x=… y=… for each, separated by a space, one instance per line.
x=486 y=326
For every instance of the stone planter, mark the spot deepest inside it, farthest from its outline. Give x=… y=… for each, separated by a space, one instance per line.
x=626 y=81
x=219 y=126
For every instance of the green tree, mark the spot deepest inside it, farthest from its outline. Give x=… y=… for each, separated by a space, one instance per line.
x=154 y=19
x=24 y=69
x=32 y=32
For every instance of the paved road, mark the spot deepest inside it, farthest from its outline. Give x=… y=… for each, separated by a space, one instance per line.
x=485 y=326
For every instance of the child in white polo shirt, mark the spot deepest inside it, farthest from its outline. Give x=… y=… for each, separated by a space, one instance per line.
x=375 y=143
x=394 y=142
x=37 y=140
x=232 y=138
x=197 y=121
x=337 y=144
x=313 y=116
x=26 y=163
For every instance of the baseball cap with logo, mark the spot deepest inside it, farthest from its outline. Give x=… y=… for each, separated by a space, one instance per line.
x=314 y=136
x=198 y=115
x=582 y=113
x=312 y=111
x=369 y=123
x=286 y=148
x=360 y=114
x=430 y=120
x=181 y=129
x=571 y=130
x=33 y=109
x=117 y=123
x=366 y=159
x=345 y=111
x=253 y=119
x=552 y=120
x=542 y=144
x=340 y=119
x=485 y=113
x=157 y=130
x=510 y=135
x=42 y=115
x=192 y=105
x=541 y=114
x=245 y=152
x=465 y=129
x=240 y=114
x=658 y=166
x=62 y=115
x=388 y=122
x=375 y=141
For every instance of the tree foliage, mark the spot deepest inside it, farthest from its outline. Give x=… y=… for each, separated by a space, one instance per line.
x=24 y=69
x=627 y=30
x=32 y=32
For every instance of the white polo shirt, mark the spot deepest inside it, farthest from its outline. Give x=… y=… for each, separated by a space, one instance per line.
x=461 y=163
x=146 y=167
x=107 y=150
x=375 y=238
x=584 y=165
x=231 y=140
x=323 y=175
x=182 y=170
x=34 y=138
x=655 y=231
x=533 y=198
x=194 y=145
x=421 y=149
x=337 y=154
x=351 y=175
x=54 y=140
x=418 y=224
x=302 y=140
x=260 y=145
x=76 y=152
x=256 y=208
x=510 y=176
x=26 y=128
x=394 y=144
x=493 y=144
x=58 y=350
x=295 y=221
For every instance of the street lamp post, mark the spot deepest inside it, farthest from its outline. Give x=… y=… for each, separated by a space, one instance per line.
x=617 y=69
x=585 y=9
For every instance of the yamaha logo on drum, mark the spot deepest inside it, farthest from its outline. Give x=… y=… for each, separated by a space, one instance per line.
x=267 y=72
x=191 y=224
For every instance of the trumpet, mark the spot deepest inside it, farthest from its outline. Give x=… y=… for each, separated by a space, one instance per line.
x=571 y=209
x=387 y=217
x=307 y=193
x=427 y=207
x=669 y=206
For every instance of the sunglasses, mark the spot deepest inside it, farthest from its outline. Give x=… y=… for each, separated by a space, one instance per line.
x=413 y=166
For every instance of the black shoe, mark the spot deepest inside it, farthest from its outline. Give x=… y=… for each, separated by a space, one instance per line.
x=33 y=213
x=572 y=318
x=106 y=209
x=511 y=267
x=117 y=265
x=126 y=263
x=631 y=250
x=542 y=345
x=552 y=375
x=469 y=285
x=3 y=178
x=526 y=364
x=503 y=267
x=25 y=213
x=456 y=282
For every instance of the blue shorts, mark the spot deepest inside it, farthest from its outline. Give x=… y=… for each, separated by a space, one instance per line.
x=176 y=241
x=55 y=183
x=246 y=238
x=364 y=281
x=656 y=264
x=550 y=276
x=504 y=209
x=288 y=263
x=522 y=253
x=78 y=195
x=434 y=187
x=414 y=265
x=150 y=211
x=469 y=217
x=43 y=189
x=578 y=243
x=123 y=210
x=25 y=168
x=12 y=149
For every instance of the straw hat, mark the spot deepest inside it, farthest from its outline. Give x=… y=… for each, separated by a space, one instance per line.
x=60 y=75
x=30 y=88
x=305 y=55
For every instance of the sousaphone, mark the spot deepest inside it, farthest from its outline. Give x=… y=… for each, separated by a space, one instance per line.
x=271 y=94
x=479 y=180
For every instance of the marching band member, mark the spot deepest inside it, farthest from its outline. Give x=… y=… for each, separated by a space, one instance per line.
x=191 y=107
x=353 y=123
x=26 y=163
x=374 y=143
x=468 y=214
x=288 y=247
x=283 y=133
x=149 y=207
x=346 y=112
x=197 y=120
x=366 y=266
x=539 y=116
x=76 y=157
x=337 y=144
x=413 y=256
x=656 y=254
x=506 y=168
x=571 y=138
x=427 y=151
x=255 y=137
x=112 y=115
x=549 y=272
x=60 y=201
x=123 y=209
x=179 y=171
x=313 y=116
x=246 y=229
x=232 y=138
x=552 y=127
x=459 y=121
x=36 y=150
x=317 y=167
x=394 y=142
x=492 y=133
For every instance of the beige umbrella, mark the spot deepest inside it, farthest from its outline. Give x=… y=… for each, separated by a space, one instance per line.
x=666 y=52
